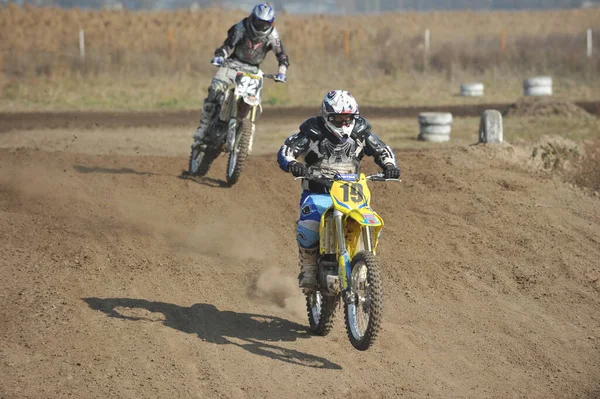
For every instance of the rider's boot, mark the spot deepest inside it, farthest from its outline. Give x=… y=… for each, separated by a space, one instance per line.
x=308 y=267
x=208 y=112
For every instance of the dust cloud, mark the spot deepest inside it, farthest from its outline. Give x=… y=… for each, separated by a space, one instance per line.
x=280 y=290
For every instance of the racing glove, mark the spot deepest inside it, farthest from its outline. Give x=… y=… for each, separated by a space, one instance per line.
x=298 y=169
x=217 y=61
x=391 y=171
x=280 y=77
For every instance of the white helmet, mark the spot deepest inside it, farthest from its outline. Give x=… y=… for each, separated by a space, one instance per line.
x=340 y=110
x=261 y=19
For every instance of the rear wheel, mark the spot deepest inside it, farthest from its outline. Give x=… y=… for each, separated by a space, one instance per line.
x=321 y=312
x=363 y=314
x=239 y=153
x=201 y=158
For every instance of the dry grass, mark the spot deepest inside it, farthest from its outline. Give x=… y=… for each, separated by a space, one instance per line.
x=130 y=64
x=187 y=92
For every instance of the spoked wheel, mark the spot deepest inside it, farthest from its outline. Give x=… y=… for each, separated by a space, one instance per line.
x=239 y=153
x=201 y=158
x=363 y=314
x=321 y=312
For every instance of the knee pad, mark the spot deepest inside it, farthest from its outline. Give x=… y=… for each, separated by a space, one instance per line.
x=216 y=91
x=307 y=233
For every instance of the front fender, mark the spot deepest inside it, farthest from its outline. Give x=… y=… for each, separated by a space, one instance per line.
x=366 y=217
x=355 y=220
x=251 y=100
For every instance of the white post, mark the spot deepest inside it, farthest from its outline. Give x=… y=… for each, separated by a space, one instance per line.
x=589 y=43
x=81 y=44
x=426 y=50
x=490 y=127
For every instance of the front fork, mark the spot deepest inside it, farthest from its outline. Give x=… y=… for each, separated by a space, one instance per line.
x=238 y=112
x=344 y=261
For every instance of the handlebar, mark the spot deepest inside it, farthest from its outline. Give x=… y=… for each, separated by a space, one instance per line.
x=272 y=76
x=326 y=181
x=380 y=177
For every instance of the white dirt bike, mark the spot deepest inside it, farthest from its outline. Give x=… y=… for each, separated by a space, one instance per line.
x=232 y=127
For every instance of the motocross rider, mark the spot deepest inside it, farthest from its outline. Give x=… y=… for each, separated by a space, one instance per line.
x=246 y=46
x=335 y=141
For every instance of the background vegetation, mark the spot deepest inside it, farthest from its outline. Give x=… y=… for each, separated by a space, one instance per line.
x=154 y=59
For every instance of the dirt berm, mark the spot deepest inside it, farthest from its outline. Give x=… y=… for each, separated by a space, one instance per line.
x=119 y=279
x=91 y=120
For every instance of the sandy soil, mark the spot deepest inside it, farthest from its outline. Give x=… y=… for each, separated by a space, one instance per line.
x=546 y=106
x=120 y=279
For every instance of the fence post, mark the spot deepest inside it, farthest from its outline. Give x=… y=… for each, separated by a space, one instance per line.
x=589 y=54
x=81 y=45
x=170 y=39
x=426 y=45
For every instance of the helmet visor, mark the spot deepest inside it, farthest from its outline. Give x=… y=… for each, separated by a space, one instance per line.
x=340 y=120
x=260 y=25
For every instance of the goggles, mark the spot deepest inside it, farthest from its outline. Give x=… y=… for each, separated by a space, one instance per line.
x=339 y=120
x=261 y=25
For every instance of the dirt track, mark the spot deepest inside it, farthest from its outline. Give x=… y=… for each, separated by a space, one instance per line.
x=120 y=279
x=86 y=120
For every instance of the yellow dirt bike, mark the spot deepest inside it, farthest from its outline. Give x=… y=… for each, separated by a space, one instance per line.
x=232 y=127
x=347 y=268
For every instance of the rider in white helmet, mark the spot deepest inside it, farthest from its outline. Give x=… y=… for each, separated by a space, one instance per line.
x=335 y=141
x=246 y=46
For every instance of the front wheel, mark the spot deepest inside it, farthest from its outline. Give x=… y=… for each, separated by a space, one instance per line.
x=363 y=314
x=239 y=153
